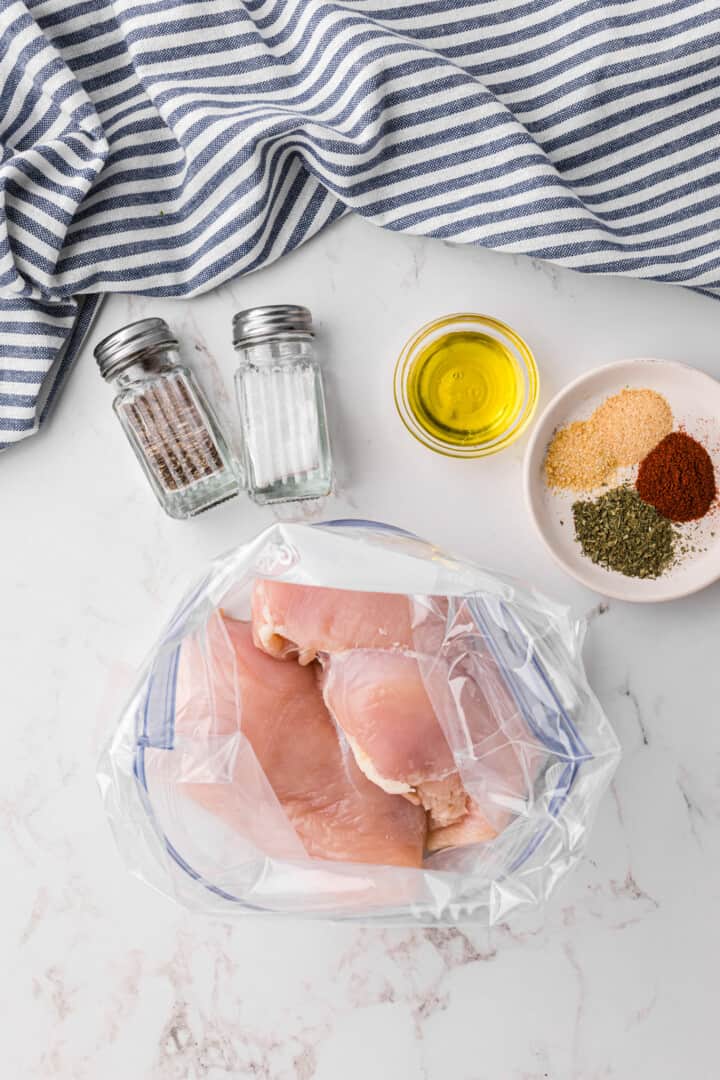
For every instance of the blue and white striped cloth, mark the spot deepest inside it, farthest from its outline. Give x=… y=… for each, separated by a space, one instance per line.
x=162 y=147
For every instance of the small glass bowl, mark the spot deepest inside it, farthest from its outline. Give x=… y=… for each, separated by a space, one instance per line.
x=526 y=370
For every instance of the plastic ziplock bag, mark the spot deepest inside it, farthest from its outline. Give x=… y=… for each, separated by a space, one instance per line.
x=231 y=787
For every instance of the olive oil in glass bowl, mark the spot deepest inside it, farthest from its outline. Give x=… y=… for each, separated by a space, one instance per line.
x=466 y=385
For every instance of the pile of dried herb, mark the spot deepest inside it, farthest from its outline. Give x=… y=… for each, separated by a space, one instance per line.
x=621 y=532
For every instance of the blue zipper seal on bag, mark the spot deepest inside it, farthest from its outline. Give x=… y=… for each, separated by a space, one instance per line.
x=550 y=739
x=160 y=736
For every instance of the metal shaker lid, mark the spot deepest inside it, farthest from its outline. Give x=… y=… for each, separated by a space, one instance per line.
x=128 y=345
x=261 y=323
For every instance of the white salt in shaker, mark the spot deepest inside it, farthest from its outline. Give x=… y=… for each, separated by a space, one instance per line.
x=280 y=396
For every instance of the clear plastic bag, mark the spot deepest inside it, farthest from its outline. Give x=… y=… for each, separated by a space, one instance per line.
x=227 y=789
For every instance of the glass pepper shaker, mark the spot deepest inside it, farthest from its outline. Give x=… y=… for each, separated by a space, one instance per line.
x=282 y=405
x=166 y=418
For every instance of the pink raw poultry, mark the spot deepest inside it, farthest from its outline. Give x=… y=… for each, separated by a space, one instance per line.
x=379 y=699
x=302 y=621
x=373 y=686
x=337 y=813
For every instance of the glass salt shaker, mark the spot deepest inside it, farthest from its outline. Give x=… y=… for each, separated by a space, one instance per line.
x=282 y=405
x=166 y=418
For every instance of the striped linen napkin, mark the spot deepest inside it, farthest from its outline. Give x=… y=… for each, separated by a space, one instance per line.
x=159 y=147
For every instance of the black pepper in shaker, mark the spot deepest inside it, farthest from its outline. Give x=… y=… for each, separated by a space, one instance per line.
x=169 y=424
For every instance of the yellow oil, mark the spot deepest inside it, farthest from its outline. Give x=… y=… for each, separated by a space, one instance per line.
x=465 y=387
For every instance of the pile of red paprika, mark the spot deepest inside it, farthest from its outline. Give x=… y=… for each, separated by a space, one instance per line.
x=678 y=478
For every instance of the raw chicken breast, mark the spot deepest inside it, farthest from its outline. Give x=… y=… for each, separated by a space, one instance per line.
x=337 y=813
x=388 y=709
x=378 y=699
x=304 y=620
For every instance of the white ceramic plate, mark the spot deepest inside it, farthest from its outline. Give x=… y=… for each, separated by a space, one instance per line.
x=695 y=401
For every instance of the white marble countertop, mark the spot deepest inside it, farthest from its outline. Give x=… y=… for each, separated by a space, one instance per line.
x=103 y=979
